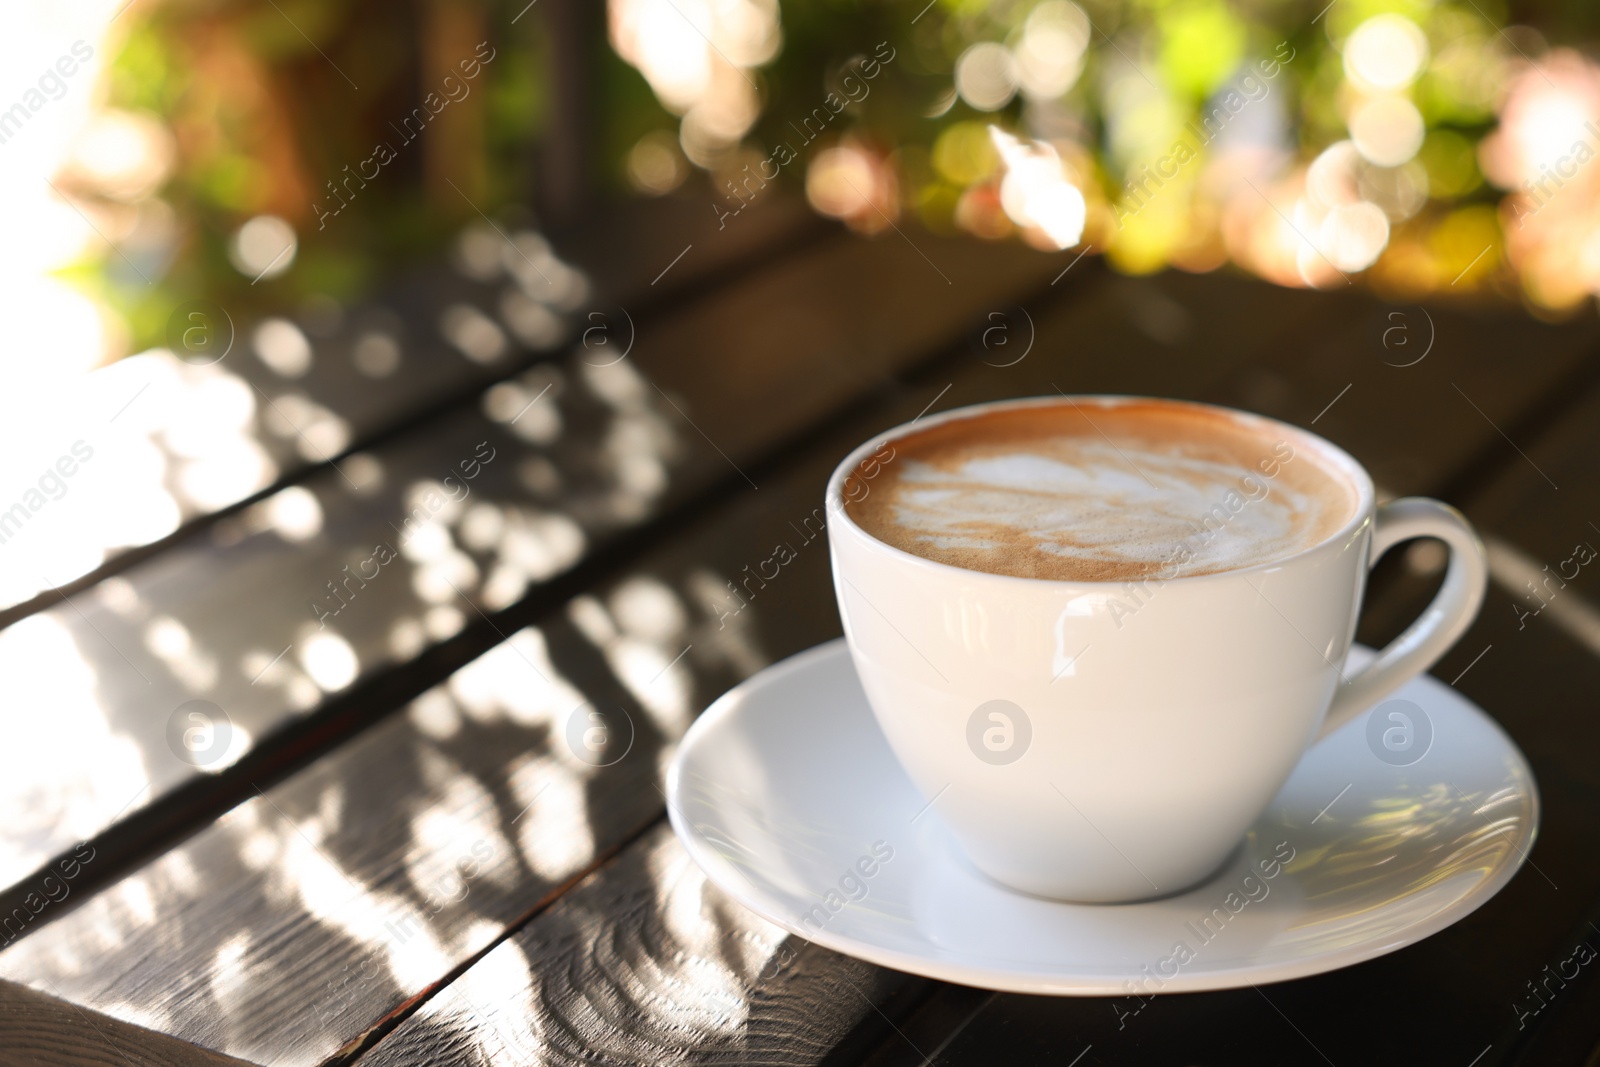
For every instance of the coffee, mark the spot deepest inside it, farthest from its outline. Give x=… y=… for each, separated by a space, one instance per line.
x=1104 y=490
x=1167 y=712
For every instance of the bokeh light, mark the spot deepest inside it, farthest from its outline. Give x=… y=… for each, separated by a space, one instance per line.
x=1387 y=52
x=697 y=56
x=264 y=247
x=1049 y=56
x=122 y=154
x=853 y=183
x=655 y=164
x=1386 y=129
x=1188 y=134
x=1036 y=194
x=1167 y=135
x=1544 y=152
x=986 y=76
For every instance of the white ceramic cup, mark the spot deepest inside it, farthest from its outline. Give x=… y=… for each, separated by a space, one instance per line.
x=1084 y=751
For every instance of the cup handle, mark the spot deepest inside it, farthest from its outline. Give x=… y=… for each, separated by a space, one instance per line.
x=1437 y=628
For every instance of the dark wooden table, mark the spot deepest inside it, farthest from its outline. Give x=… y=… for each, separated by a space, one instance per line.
x=397 y=859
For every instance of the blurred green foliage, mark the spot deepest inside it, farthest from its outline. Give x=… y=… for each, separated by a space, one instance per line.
x=270 y=103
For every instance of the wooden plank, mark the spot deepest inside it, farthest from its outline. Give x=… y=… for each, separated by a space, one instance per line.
x=226 y=616
x=629 y=246
x=486 y=778
x=646 y=963
x=1563 y=1030
x=386 y=781
x=173 y=444
x=1175 y=335
x=1420 y=426
x=37 y=1030
x=374 y=872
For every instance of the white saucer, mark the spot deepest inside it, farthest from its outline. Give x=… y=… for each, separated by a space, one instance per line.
x=785 y=792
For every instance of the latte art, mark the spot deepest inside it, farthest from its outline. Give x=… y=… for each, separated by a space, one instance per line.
x=1103 y=492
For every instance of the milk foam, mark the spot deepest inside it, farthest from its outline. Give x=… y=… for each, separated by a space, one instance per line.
x=1094 y=508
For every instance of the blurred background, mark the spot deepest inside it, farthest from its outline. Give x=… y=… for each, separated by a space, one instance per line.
x=180 y=175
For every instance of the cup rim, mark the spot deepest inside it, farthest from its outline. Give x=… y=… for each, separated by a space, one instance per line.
x=1361 y=480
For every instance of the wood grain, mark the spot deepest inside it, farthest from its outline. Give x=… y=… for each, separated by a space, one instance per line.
x=168 y=429
x=572 y=455
x=645 y=963
x=329 y=913
x=1436 y=424
x=322 y=926
x=37 y=1030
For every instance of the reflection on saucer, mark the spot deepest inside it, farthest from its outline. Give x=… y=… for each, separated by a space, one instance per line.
x=785 y=790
